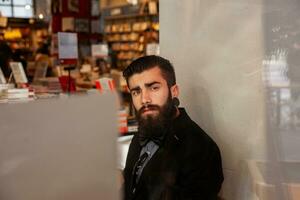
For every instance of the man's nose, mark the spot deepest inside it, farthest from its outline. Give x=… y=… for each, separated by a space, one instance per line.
x=146 y=97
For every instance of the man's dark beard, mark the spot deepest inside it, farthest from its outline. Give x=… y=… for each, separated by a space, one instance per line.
x=156 y=126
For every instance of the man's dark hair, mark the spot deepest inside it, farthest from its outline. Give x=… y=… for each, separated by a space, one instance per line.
x=147 y=62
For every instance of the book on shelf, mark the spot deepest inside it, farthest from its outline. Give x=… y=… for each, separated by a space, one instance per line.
x=18 y=72
x=99 y=50
x=68 y=24
x=47 y=85
x=95 y=26
x=82 y=25
x=2 y=78
x=16 y=95
x=95 y=9
x=40 y=70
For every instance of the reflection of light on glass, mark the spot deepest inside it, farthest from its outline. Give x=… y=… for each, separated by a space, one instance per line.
x=285 y=94
x=275 y=69
x=285 y=108
x=276 y=29
x=296 y=115
x=284 y=98
x=27 y=7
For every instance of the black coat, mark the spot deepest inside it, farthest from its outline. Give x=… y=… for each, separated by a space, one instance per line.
x=187 y=165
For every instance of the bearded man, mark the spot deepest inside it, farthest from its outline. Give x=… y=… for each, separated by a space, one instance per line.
x=170 y=157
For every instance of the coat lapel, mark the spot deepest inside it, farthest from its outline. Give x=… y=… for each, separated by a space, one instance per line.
x=156 y=168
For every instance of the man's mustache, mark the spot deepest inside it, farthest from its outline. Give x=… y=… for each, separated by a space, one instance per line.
x=148 y=107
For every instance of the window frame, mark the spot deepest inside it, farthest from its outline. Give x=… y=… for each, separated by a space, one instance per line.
x=13 y=5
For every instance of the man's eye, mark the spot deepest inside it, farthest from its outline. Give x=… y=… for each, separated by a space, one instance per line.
x=154 y=88
x=135 y=93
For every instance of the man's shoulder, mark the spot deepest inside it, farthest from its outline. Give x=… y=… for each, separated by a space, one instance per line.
x=192 y=135
x=186 y=127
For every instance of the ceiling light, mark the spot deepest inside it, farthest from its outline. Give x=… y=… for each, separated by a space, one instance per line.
x=41 y=16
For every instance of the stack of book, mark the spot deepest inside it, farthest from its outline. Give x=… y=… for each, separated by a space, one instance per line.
x=132 y=125
x=122 y=122
x=3 y=93
x=8 y=93
x=47 y=85
x=19 y=95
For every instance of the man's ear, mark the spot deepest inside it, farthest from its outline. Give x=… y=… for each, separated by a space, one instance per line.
x=174 y=91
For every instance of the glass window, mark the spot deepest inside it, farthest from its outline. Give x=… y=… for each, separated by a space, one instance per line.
x=6 y=2
x=21 y=11
x=6 y=11
x=17 y=8
x=22 y=2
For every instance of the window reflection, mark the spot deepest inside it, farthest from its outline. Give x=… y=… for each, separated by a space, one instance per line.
x=275 y=69
x=283 y=97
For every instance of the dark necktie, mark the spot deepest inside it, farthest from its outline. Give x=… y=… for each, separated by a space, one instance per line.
x=136 y=168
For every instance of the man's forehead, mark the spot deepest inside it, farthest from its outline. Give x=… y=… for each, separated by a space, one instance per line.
x=147 y=76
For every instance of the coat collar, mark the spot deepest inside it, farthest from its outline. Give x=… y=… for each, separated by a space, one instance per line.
x=181 y=122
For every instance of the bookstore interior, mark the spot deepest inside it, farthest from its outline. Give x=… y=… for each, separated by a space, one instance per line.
x=61 y=47
x=61 y=82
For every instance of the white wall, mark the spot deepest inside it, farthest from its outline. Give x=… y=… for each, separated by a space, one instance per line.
x=218 y=49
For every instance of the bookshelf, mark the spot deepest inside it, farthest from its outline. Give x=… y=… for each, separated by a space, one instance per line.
x=128 y=34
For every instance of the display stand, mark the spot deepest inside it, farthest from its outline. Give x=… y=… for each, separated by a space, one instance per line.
x=69 y=68
x=68 y=56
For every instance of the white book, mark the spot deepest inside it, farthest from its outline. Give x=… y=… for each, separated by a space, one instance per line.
x=2 y=78
x=132 y=129
x=17 y=96
x=17 y=90
x=18 y=72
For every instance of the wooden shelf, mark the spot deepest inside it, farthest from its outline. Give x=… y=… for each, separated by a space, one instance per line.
x=127 y=32
x=126 y=59
x=120 y=50
x=122 y=41
x=129 y=16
